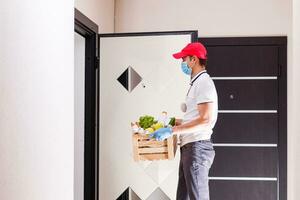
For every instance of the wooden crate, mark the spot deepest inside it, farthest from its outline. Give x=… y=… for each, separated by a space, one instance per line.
x=145 y=148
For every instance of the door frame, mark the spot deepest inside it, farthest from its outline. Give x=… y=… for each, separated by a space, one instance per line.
x=281 y=43
x=194 y=38
x=193 y=33
x=89 y=30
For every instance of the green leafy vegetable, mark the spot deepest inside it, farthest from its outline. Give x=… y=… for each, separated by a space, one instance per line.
x=146 y=121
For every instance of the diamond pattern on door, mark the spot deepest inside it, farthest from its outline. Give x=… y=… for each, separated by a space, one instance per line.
x=129 y=79
x=158 y=194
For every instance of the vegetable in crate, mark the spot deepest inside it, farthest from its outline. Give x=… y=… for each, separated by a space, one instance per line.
x=172 y=121
x=146 y=121
x=149 y=130
x=157 y=126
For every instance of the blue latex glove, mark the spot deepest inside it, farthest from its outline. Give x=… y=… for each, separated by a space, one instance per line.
x=161 y=134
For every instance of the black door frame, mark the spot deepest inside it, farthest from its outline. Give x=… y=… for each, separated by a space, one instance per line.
x=89 y=30
x=281 y=43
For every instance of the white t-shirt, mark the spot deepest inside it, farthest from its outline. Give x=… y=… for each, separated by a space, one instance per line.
x=202 y=90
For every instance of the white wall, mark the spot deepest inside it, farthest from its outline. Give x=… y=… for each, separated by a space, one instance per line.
x=37 y=95
x=294 y=107
x=211 y=18
x=230 y=18
x=99 y=11
x=36 y=100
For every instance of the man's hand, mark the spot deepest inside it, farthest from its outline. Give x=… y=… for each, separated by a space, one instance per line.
x=161 y=134
x=178 y=122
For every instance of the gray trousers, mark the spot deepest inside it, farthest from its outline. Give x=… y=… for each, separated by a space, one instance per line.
x=196 y=159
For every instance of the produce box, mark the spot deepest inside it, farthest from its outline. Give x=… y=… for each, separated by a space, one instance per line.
x=147 y=148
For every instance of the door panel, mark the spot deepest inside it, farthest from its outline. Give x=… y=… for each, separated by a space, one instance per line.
x=243 y=190
x=247 y=94
x=246 y=128
x=245 y=162
x=243 y=60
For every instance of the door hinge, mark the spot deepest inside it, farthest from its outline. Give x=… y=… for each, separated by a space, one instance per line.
x=97 y=62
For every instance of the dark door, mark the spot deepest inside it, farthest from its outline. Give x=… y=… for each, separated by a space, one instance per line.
x=250 y=136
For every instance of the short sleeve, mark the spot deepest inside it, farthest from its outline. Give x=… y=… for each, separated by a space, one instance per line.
x=205 y=91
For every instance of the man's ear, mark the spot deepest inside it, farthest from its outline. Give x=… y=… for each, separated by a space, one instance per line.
x=194 y=58
x=197 y=59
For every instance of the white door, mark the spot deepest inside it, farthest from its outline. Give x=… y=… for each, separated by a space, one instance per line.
x=138 y=76
x=79 y=63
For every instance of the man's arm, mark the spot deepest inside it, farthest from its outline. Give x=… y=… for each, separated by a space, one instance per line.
x=205 y=112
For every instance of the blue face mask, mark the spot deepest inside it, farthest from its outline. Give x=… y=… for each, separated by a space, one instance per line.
x=185 y=68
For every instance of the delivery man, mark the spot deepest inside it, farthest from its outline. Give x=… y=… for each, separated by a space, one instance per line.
x=196 y=127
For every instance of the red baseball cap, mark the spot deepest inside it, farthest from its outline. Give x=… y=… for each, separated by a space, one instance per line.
x=192 y=49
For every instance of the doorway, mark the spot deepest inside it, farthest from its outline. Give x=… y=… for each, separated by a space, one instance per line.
x=250 y=136
x=85 y=110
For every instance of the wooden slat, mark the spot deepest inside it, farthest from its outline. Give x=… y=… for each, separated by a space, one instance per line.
x=170 y=148
x=135 y=147
x=152 y=143
x=153 y=156
x=174 y=144
x=153 y=150
x=145 y=148
x=144 y=137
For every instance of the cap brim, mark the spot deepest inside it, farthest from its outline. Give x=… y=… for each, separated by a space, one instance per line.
x=179 y=55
